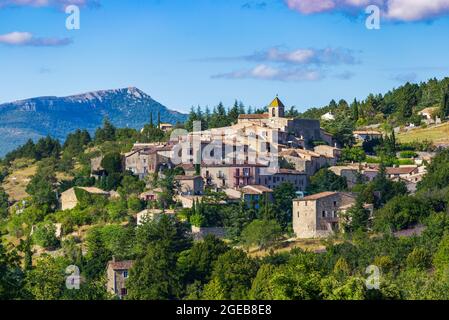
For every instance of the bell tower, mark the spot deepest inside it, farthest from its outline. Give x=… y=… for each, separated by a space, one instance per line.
x=276 y=109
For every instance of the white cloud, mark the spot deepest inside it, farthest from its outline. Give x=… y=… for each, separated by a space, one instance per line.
x=398 y=10
x=17 y=38
x=306 y=56
x=46 y=3
x=265 y=72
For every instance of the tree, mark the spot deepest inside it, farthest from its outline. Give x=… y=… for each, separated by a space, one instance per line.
x=441 y=257
x=231 y=277
x=354 y=154
x=419 y=258
x=97 y=254
x=262 y=233
x=4 y=203
x=46 y=281
x=283 y=203
x=112 y=163
x=351 y=288
x=154 y=276
x=262 y=287
x=357 y=217
x=41 y=187
x=445 y=103
x=437 y=176
x=11 y=275
x=196 y=263
x=106 y=133
x=164 y=229
x=326 y=180
x=45 y=235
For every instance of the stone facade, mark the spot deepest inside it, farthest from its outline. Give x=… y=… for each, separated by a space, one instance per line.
x=145 y=159
x=231 y=176
x=296 y=178
x=318 y=216
x=68 y=199
x=190 y=185
x=117 y=273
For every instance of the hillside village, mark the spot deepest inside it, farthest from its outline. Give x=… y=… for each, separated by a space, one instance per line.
x=260 y=190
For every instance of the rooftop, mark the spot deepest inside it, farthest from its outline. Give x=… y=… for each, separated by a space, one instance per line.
x=401 y=170
x=317 y=196
x=187 y=177
x=121 y=265
x=256 y=189
x=254 y=116
x=276 y=103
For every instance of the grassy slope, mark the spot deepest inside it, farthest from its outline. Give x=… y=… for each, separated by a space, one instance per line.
x=436 y=134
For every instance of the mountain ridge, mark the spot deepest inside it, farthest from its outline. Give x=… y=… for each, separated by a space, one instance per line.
x=37 y=117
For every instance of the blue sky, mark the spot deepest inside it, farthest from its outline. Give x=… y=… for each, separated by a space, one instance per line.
x=201 y=52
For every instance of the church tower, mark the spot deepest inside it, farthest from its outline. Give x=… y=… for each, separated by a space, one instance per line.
x=276 y=109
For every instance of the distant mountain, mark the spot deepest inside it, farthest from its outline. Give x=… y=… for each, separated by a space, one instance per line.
x=39 y=117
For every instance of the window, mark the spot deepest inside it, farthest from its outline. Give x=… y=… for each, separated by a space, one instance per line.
x=124 y=292
x=323 y=214
x=125 y=274
x=335 y=203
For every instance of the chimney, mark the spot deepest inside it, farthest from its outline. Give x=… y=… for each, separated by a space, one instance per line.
x=113 y=258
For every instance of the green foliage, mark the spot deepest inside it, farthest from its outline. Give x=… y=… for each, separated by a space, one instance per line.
x=326 y=180
x=45 y=235
x=76 y=142
x=419 y=258
x=106 y=133
x=231 y=276
x=441 y=257
x=357 y=217
x=263 y=233
x=41 y=187
x=11 y=275
x=154 y=276
x=112 y=163
x=165 y=229
x=354 y=154
x=283 y=203
x=46 y=281
x=130 y=186
x=401 y=212
x=196 y=263
x=437 y=176
x=4 y=204
x=152 y=134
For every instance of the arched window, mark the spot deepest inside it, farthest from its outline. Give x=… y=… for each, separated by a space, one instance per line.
x=273 y=112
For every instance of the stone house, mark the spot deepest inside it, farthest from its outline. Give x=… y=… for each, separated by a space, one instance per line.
x=117 y=274
x=150 y=214
x=407 y=173
x=348 y=172
x=147 y=160
x=254 y=194
x=428 y=113
x=231 y=175
x=306 y=161
x=330 y=152
x=318 y=215
x=69 y=200
x=272 y=180
x=367 y=135
x=190 y=185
